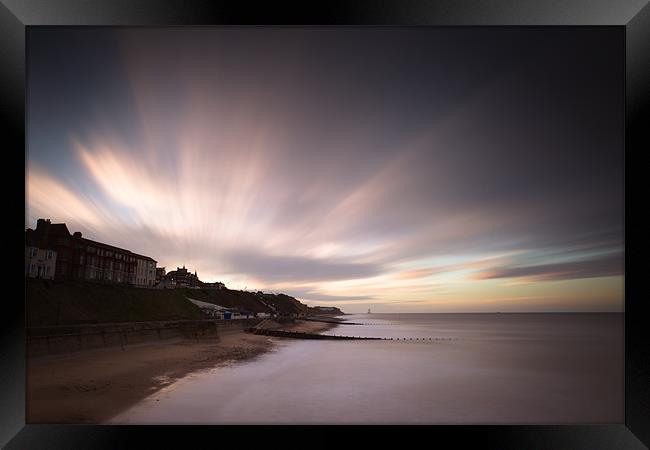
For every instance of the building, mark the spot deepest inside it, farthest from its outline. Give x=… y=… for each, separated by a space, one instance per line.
x=40 y=263
x=182 y=278
x=78 y=258
x=235 y=314
x=160 y=274
x=145 y=274
x=209 y=309
x=96 y=261
x=54 y=237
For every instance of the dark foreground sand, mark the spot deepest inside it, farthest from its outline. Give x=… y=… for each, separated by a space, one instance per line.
x=94 y=385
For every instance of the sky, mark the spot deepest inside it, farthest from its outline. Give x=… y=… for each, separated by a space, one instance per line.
x=398 y=169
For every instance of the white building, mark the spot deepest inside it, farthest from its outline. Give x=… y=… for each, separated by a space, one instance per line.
x=209 y=309
x=39 y=263
x=145 y=273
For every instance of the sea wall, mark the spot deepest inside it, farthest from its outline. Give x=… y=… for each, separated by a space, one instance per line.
x=71 y=338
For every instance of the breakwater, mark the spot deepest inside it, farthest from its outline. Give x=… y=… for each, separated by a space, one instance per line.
x=303 y=335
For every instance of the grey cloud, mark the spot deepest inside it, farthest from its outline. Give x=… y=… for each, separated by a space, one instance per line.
x=601 y=267
x=315 y=296
x=272 y=268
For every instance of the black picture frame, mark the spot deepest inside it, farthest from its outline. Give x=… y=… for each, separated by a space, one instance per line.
x=631 y=15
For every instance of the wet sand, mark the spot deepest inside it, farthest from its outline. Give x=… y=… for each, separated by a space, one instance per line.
x=92 y=386
x=540 y=368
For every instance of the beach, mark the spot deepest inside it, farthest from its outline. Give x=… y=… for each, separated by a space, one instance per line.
x=93 y=385
x=551 y=368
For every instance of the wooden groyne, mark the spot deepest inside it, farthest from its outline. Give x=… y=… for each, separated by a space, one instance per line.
x=302 y=335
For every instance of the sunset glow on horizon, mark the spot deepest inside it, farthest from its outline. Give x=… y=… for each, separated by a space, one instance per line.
x=398 y=170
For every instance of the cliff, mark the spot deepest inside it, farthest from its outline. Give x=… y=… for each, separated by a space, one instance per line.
x=324 y=311
x=256 y=302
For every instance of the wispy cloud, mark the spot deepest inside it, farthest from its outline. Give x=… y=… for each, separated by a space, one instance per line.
x=282 y=171
x=594 y=268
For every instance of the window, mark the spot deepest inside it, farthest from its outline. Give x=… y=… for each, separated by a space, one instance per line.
x=81 y=259
x=32 y=268
x=48 y=254
x=33 y=251
x=90 y=249
x=47 y=270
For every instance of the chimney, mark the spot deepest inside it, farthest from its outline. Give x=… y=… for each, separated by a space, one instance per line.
x=42 y=222
x=76 y=235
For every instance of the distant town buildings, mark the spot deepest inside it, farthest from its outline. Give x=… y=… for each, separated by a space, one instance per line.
x=76 y=258
x=181 y=278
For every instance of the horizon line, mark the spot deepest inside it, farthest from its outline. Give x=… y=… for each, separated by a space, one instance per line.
x=499 y=312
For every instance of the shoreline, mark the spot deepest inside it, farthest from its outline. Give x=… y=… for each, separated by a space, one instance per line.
x=91 y=386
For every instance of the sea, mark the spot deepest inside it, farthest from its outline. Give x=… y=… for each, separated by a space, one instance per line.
x=507 y=368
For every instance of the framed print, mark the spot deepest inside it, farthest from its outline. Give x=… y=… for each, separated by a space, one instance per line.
x=363 y=217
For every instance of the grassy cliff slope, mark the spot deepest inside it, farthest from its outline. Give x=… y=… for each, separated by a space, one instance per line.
x=71 y=302
x=76 y=302
x=249 y=301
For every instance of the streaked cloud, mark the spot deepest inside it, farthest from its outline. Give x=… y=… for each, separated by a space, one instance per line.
x=593 y=268
x=399 y=180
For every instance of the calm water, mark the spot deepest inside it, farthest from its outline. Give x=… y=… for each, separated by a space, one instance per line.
x=488 y=368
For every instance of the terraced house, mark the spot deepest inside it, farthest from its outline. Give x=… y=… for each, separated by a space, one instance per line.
x=78 y=258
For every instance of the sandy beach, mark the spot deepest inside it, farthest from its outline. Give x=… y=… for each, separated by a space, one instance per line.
x=92 y=386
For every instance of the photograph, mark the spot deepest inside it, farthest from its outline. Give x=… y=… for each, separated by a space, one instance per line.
x=325 y=225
